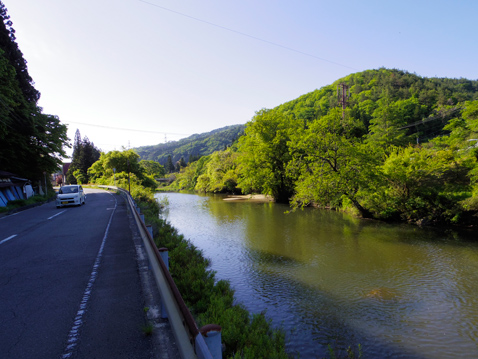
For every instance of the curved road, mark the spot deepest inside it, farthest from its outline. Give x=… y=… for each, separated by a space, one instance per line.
x=69 y=283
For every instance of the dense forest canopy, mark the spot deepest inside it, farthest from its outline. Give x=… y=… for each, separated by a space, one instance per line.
x=31 y=142
x=192 y=147
x=403 y=147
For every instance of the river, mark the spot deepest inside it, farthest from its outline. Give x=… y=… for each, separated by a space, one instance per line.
x=331 y=279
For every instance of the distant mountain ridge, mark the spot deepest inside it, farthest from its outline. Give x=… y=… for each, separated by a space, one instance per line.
x=202 y=144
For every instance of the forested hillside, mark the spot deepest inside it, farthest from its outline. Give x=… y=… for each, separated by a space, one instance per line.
x=194 y=146
x=31 y=142
x=403 y=148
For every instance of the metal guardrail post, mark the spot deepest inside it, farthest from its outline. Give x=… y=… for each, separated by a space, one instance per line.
x=212 y=337
x=150 y=230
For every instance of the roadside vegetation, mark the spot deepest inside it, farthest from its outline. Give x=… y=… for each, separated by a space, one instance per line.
x=21 y=204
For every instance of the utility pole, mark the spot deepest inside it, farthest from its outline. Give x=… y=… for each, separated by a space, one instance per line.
x=343 y=93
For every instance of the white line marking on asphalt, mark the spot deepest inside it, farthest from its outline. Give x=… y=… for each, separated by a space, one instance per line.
x=57 y=214
x=7 y=239
x=74 y=334
x=10 y=215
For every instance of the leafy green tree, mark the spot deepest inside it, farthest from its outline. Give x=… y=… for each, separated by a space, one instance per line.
x=153 y=168
x=80 y=177
x=265 y=155
x=330 y=163
x=221 y=173
x=120 y=165
x=424 y=183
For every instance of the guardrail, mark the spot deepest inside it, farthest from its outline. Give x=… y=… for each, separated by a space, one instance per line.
x=192 y=342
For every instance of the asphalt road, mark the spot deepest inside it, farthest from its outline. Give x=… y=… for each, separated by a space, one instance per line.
x=70 y=285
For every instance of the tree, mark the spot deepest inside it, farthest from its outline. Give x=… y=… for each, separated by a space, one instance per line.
x=84 y=155
x=153 y=168
x=330 y=163
x=422 y=182
x=15 y=57
x=264 y=155
x=125 y=163
x=221 y=173
x=169 y=165
x=31 y=142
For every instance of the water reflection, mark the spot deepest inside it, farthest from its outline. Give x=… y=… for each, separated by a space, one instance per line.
x=398 y=290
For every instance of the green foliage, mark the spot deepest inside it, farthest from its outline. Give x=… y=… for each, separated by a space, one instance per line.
x=80 y=177
x=389 y=118
x=405 y=148
x=331 y=162
x=220 y=174
x=422 y=183
x=19 y=203
x=84 y=155
x=153 y=168
x=30 y=142
x=192 y=147
x=113 y=168
x=265 y=154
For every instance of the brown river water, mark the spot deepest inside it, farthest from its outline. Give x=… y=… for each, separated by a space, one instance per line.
x=331 y=279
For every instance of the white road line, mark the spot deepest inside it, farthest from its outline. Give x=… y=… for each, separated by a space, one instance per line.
x=74 y=334
x=7 y=239
x=10 y=215
x=57 y=214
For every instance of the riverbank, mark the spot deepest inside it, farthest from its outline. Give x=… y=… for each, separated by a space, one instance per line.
x=249 y=198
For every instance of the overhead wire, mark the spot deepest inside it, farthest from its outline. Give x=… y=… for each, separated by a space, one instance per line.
x=129 y=129
x=247 y=35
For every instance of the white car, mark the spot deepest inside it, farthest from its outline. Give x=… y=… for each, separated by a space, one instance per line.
x=72 y=195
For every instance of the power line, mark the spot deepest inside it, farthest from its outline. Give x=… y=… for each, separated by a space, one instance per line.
x=247 y=35
x=129 y=129
x=439 y=116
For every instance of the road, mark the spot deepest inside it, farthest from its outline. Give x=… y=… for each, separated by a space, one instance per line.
x=70 y=285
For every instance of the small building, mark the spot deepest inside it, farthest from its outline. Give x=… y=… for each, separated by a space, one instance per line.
x=13 y=187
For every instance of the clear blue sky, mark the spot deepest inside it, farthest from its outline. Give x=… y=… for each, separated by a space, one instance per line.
x=175 y=68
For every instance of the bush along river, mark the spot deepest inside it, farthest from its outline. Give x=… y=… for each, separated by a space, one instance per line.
x=330 y=279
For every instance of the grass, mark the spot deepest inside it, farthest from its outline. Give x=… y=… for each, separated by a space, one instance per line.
x=20 y=203
x=148 y=328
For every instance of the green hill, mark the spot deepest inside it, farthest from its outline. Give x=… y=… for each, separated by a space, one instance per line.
x=383 y=143
x=196 y=145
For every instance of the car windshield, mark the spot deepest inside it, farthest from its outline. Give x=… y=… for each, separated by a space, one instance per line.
x=68 y=189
